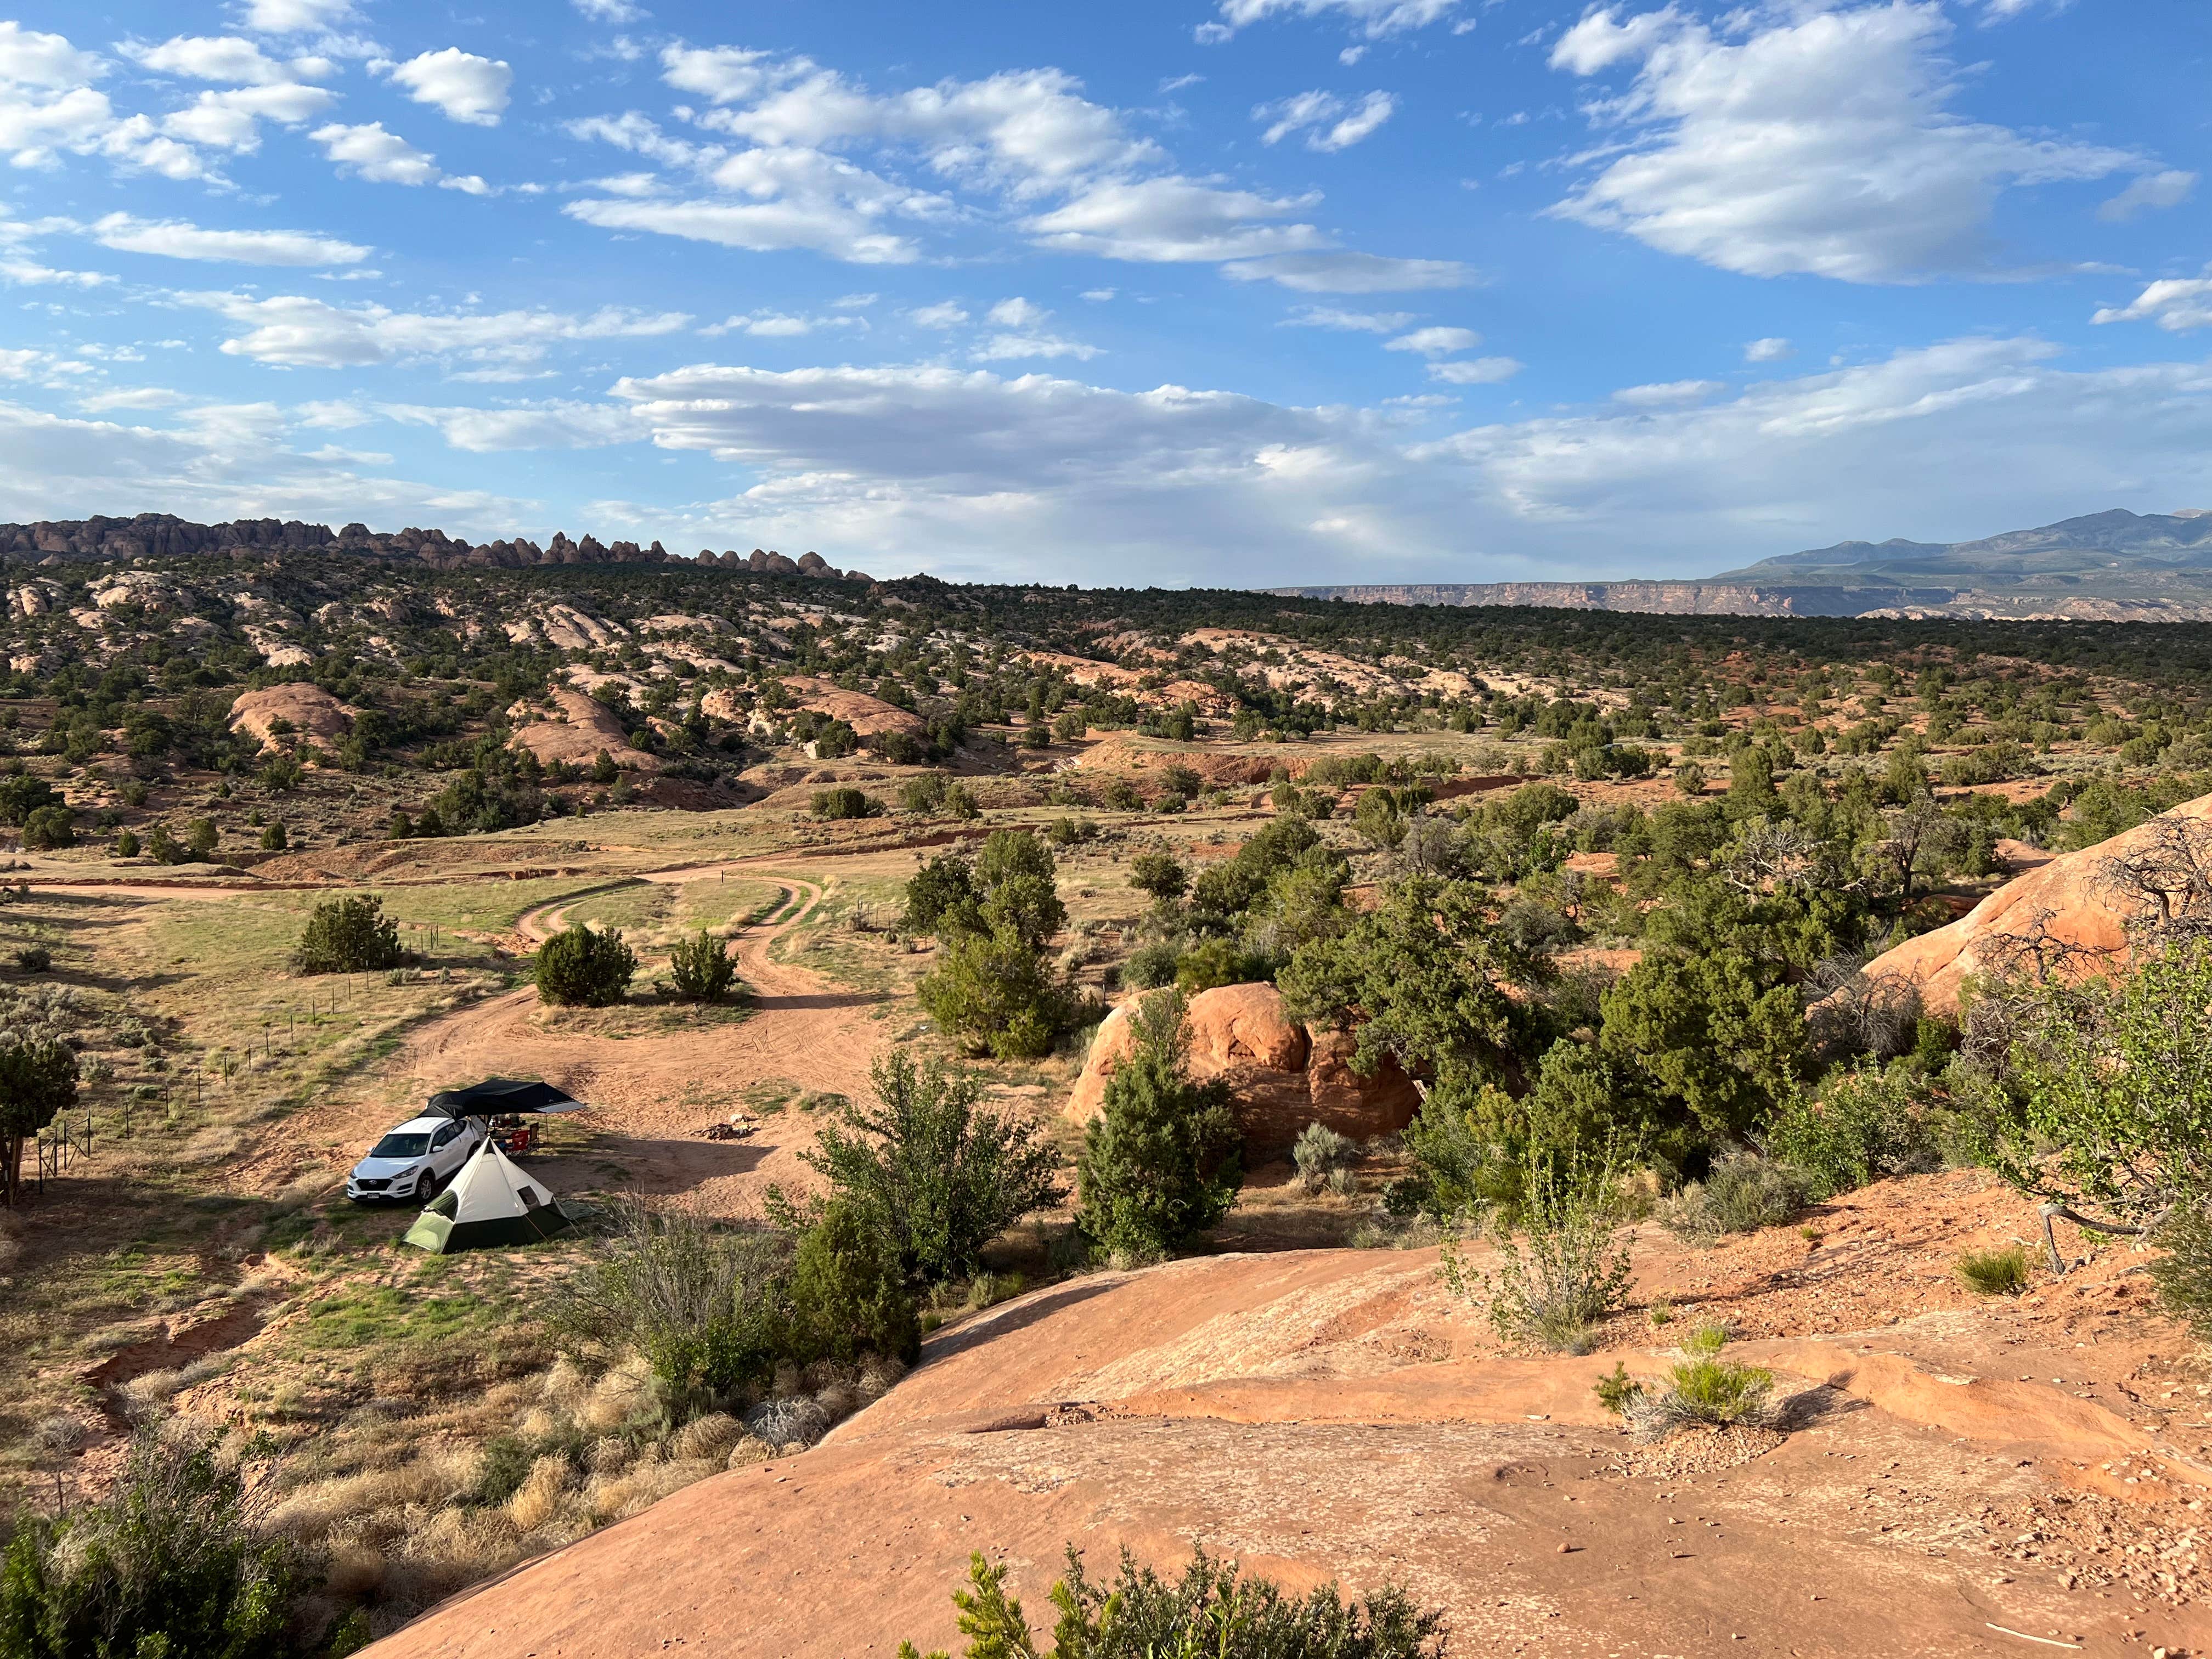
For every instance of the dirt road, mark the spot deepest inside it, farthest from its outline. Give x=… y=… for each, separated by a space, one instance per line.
x=651 y=1091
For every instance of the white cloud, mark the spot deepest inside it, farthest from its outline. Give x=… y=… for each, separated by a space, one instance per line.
x=1666 y=394
x=721 y=75
x=1819 y=142
x=2165 y=189
x=29 y=58
x=148 y=396
x=228 y=58
x=946 y=313
x=1018 y=313
x=1099 y=295
x=855 y=301
x=611 y=11
x=779 y=325
x=1173 y=220
x=32 y=128
x=28 y=273
x=385 y=158
x=1352 y=322
x=296 y=16
x=1436 y=342
x=176 y=238
x=1011 y=347
x=1771 y=349
x=2177 y=304
x=1341 y=272
x=466 y=87
x=1373 y=18
x=1324 y=118
x=828 y=227
x=231 y=119
x=1475 y=371
x=297 y=332
x=553 y=425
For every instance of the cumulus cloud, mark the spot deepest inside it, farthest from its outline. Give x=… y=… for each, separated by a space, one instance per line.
x=1436 y=342
x=228 y=58
x=1327 y=123
x=178 y=239
x=781 y=325
x=1174 y=220
x=385 y=158
x=946 y=313
x=1374 y=19
x=31 y=58
x=611 y=11
x=464 y=87
x=1771 y=349
x=1820 y=142
x=300 y=332
x=231 y=119
x=296 y=16
x=2176 y=305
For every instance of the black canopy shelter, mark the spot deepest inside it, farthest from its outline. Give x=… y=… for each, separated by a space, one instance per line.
x=503 y=1097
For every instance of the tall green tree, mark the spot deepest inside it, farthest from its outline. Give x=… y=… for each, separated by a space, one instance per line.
x=38 y=1082
x=1159 y=1162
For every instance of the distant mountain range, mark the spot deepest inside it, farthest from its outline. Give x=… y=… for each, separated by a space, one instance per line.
x=2103 y=566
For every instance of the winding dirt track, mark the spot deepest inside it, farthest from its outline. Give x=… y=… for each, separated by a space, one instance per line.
x=651 y=1092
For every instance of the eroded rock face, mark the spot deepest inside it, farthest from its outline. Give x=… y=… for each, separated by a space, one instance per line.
x=1280 y=1077
x=868 y=716
x=2066 y=913
x=308 y=710
x=576 y=734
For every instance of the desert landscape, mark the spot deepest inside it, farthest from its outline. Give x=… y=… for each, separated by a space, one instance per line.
x=1399 y=1104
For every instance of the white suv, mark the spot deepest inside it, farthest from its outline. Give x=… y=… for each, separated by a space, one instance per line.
x=414 y=1160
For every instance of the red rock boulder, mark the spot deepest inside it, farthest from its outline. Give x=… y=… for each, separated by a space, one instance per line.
x=1280 y=1077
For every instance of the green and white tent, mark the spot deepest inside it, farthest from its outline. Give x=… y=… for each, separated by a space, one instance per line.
x=490 y=1204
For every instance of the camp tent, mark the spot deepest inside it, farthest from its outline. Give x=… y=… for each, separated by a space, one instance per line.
x=490 y=1203
x=503 y=1097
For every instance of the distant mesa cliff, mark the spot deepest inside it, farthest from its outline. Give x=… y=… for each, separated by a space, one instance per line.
x=2105 y=567
x=164 y=536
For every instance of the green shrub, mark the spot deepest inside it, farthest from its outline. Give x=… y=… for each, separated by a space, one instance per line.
x=1570 y=1268
x=126 y=845
x=1213 y=1613
x=1617 y=1391
x=848 y=1294
x=34 y=959
x=38 y=1081
x=937 y=1176
x=22 y=794
x=1704 y=1340
x=994 y=993
x=702 y=968
x=200 y=839
x=1742 y=1195
x=845 y=803
x=274 y=838
x=349 y=935
x=1160 y=874
x=579 y=968
x=1714 y=1392
x=925 y=793
x=1994 y=1272
x=168 y=1565
x=1159 y=1162
x=1215 y=962
x=2183 y=1274
x=1151 y=966
x=48 y=827
x=1862 y=1126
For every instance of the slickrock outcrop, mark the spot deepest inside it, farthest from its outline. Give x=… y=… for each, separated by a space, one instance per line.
x=1280 y=1077
x=576 y=734
x=306 y=709
x=869 y=716
x=2069 y=915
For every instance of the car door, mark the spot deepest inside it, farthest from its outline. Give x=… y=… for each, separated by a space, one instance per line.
x=446 y=1154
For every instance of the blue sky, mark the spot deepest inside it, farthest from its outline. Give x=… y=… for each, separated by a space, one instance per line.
x=1242 y=291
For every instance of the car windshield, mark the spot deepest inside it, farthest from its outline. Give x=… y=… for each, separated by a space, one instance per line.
x=397 y=1145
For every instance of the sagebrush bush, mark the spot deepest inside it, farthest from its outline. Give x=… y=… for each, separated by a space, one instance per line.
x=1717 y=1393
x=1212 y=1611
x=845 y=803
x=1320 y=1152
x=702 y=968
x=351 y=935
x=580 y=968
x=1740 y=1195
